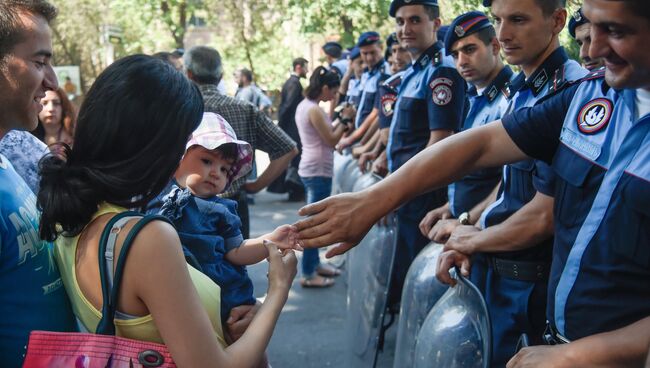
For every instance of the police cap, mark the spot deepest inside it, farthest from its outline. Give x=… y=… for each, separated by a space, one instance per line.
x=333 y=49
x=354 y=53
x=577 y=19
x=391 y=40
x=396 y=4
x=368 y=38
x=464 y=25
x=442 y=32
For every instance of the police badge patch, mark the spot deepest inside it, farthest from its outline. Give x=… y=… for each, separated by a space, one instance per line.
x=594 y=115
x=387 y=103
x=441 y=93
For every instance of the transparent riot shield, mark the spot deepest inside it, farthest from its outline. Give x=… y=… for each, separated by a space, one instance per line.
x=341 y=161
x=369 y=267
x=350 y=176
x=457 y=332
x=421 y=291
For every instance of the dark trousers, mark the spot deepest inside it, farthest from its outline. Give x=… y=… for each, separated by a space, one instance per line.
x=515 y=307
x=242 y=211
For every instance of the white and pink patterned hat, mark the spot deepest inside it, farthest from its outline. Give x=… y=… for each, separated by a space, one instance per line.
x=213 y=132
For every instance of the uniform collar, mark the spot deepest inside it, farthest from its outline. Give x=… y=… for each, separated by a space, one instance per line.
x=376 y=68
x=542 y=75
x=432 y=54
x=499 y=84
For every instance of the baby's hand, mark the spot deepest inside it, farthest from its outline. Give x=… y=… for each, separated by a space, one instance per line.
x=285 y=237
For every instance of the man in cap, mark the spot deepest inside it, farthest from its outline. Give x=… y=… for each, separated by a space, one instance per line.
x=350 y=89
x=385 y=104
x=333 y=53
x=580 y=30
x=514 y=250
x=473 y=44
x=429 y=107
x=595 y=133
x=369 y=45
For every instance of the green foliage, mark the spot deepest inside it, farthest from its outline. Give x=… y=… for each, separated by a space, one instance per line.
x=263 y=36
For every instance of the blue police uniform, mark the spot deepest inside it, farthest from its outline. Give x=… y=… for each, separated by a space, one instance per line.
x=599 y=149
x=353 y=96
x=431 y=97
x=340 y=67
x=515 y=283
x=369 y=85
x=387 y=96
x=484 y=107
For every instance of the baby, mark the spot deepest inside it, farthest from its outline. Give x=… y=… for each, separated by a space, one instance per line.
x=208 y=226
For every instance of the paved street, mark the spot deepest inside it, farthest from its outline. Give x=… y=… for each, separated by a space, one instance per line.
x=310 y=332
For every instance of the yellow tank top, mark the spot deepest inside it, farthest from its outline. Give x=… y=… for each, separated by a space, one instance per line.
x=140 y=328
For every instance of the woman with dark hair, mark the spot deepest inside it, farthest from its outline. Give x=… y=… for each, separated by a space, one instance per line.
x=57 y=119
x=319 y=136
x=132 y=130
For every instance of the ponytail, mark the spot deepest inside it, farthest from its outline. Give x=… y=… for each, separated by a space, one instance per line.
x=319 y=78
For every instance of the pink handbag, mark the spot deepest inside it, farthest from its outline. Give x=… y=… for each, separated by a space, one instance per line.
x=102 y=349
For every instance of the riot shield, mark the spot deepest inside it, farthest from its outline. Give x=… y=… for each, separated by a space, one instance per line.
x=369 y=267
x=350 y=176
x=421 y=291
x=457 y=331
x=341 y=161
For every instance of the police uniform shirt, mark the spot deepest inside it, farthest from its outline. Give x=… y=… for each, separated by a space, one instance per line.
x=431 y=97
x=385 y=101
x=370 y=80
x=521 y=180
x=354 y=93
x=488 y=106
x=599 y=150
x=340 y=67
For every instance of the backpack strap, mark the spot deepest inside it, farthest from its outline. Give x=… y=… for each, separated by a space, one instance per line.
x=110 y=292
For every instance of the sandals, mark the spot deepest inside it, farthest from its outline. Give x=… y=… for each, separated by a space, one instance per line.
x=327 y=270
x=317 y=282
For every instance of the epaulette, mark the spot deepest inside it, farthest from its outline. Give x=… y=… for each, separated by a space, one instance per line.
x=596 y=74
x=437 y=58
x=393 y=82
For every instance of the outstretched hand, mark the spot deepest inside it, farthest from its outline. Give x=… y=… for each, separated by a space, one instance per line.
x=285 y=237
x=344 y=218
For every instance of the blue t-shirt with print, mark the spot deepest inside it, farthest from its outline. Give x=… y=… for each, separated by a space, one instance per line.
x=32 y=296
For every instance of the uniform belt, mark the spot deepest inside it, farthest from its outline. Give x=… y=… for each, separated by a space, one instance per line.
x=552 y=337
x=520 y=270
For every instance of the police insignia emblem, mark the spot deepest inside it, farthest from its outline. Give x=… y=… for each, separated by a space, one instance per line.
x=387 y=103
x=539 y=81
x=460 y=31
x=594 y=115
x=577 y=16
x=441 y=93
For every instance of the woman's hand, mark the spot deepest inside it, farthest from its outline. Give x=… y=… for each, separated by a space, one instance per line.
x=282 y=268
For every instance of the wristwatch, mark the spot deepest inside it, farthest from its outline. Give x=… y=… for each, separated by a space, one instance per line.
x=464 y=218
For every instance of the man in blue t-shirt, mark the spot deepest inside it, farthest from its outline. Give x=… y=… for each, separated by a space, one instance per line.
x=595 y=135
x=32 y=296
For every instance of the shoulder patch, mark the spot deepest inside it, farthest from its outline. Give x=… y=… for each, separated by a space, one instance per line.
x=388 y=104
x=594 y=115
x=441 y=91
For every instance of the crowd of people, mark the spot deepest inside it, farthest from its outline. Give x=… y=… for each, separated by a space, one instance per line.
x=535 y=182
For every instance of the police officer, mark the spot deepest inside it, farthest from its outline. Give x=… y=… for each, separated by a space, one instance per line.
x=596 y=134
x=514 y=251
x=475 y=49
x=333 y=52
x=349 y=90
x=385 y=104
x=370 y=47
x=430 y=106
x=580 y=30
